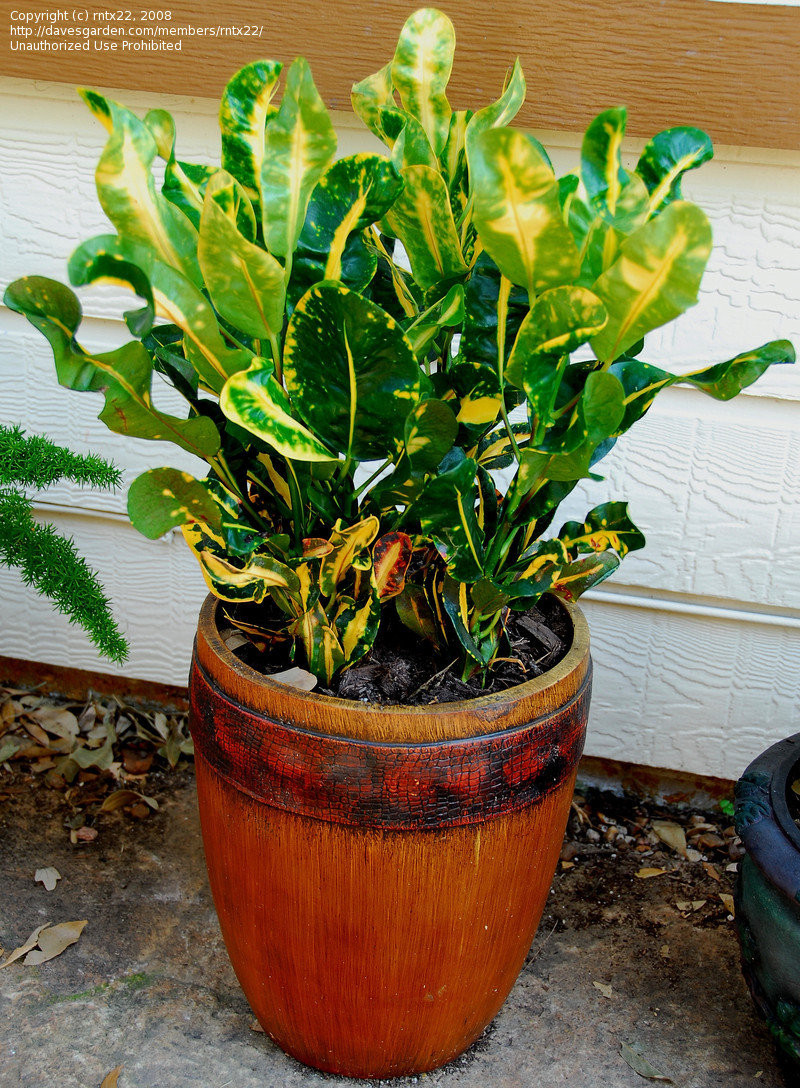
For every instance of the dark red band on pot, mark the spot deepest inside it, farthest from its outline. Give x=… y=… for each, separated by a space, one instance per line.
x=391 y=785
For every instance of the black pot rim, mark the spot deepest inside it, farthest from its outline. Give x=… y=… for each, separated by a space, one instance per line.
x=763 y=820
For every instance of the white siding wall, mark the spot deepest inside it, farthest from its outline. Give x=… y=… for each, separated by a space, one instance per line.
x=696 y=643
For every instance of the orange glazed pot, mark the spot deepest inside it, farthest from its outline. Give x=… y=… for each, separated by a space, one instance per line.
x=379 y=872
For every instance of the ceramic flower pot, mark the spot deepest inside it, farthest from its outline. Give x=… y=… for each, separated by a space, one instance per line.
x=379 y=872
x=767 y=891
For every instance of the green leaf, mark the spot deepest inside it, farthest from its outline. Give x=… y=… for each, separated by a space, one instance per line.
x=356 y=622
x=446 y=313
x=354 y=192
x=178 y=300
x=415 y=613
x=324 y=653
x=254 y=400
x=499 y=113
x=607 y=526
x=421 y=69
x=244 y=111
x=246 y=284
x=348 y=545
x=430 y=431
x=350 y=371
x=299 y=143
x=456 y=604
x=422 y=219
x=252 y=582
x=654 y=279
x=602 y=405
x=723 y=381
x=372 y=95
x=123 y=375
x=619 y=197
x=408 y=140
x=162 y=498
x=665 y=160
x=127 y=191
x=517 y=212
x=559 y=321
x=446 y=511
x=184 y=183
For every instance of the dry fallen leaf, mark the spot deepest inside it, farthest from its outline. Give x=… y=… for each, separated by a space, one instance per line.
x=711 y=870
x=59 y=722
x=83 y=834
x=672 y=834
x=53 y=940
x=604 y=988
x=646 y=873
x=567 y=864
x=727 y=902
x=31 y=942
x=47 y=876
x=296 y=678
x=120 y=798
x=665 y=950
x=111 y=1080
x=255 y=1026
x=639 y=1064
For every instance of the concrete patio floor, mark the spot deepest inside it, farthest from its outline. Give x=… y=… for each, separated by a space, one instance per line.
x=148 y=986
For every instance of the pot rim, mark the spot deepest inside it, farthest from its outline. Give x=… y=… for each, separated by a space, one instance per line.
x=764 y=822
x=571 y=662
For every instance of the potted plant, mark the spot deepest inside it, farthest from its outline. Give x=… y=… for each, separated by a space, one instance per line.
x=380 y=360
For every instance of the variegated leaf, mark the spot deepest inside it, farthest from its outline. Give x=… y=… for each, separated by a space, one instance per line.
x=499 y=113
x=665 y=160
x=353 y=193
x=176 y=299
x=124 y=375
x=254 y=400
x=422 y=219
x=350 y=371
x=246 y=284
x=391 y=555
x=577 y=577
x=421 y=69
x=372 y=95
x=162 y=498
x=654 y=279
x=184 y=183
x=415 y=613
x=356 y=622
x=430 y=431
x=559 y=321
x=299 y=144
x=601 y=407
x=607 y=527
x=446 y=512
x=252 y=582
x=244 y=111
x=446 y=313
x=128 y=193
x=456 y=602
x=408 y=140
x=347 y=542
x=324 y=653
x=517 y=212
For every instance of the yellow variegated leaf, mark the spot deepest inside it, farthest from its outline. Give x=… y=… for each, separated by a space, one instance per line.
x=422 y=219
x=324 y=652
x=478 y=409
x=421 y=69
x=127 y=191
x=346 y=544
x=372 y=95
x=499 y=113
x=243 y=115
x=249 y=583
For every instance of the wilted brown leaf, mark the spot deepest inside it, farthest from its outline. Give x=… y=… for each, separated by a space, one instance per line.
x=296 y=678
x=646 y=873
x=110 y=1080
x=727 y=902
x=53 y=940
x=59 y=722
x=255 y=1026
x=120 y=798
x=604 y=989
x=83 y=834
x=31 y=942
x=47 y=876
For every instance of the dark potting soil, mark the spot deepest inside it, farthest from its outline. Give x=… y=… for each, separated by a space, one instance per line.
x=404 y=669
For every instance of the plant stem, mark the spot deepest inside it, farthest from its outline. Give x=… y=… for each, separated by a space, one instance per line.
x=374 y=476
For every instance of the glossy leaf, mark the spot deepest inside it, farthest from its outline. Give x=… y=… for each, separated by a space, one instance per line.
x=620 y=198
x=517 y=212
x=415 y=613
x=499 y=113
x=253 y=399
x=665 y=160
x=324 y=652
x=391 y=555
x=347 y=544
x=246 y=284
x=422 y=219
x=124 y=375
x=602 y=406
x=583 y=574
x=429 y=433
x=371 y=95
x=559 y=321
x=350 y=371
x=299 y=144
x=408 y=140
x=162 y=498
x=176 y=299
x=252 y=582
x=421 y=69
x=654 y=279
x=446 y=512
x=608 y=526
x=457 y=606
x=446 y=313
x=127 y=191
x=354 y=192
x=184 y=183
x=723 y=381
x=244 y=111
x=356 y=622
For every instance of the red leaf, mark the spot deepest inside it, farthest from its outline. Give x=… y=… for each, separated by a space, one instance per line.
x=391 y=555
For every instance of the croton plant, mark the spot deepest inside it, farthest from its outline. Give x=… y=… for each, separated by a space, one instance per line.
x=363 y=343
